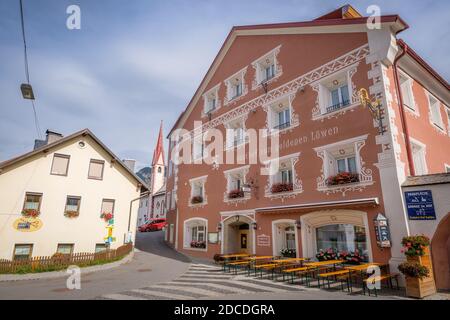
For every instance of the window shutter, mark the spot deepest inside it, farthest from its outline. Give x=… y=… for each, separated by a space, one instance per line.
x=60 y=164
x=96 y=169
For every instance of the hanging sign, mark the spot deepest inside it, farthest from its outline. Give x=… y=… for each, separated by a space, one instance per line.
x=419 y=205
x=382 y=233
x=25 y=224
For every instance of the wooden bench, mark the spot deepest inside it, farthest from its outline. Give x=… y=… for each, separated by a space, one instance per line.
x=339 y=275
x=293 y=271
x=379 y=279
x=238 y=264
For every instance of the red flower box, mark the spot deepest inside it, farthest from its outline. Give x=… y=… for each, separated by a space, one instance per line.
x=281 y=187
x=107 y=216
x=233 y=194
x=197 y=199
x=31 y=213
x=343 y=178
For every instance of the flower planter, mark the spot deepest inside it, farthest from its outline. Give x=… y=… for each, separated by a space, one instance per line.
x=197 y=200
x=233 y=194
x=420 y=288
x=282 y=187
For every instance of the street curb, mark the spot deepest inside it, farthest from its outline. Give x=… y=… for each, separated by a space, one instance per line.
x=60 y=274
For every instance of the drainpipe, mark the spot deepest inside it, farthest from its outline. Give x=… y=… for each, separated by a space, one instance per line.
x=402 y=111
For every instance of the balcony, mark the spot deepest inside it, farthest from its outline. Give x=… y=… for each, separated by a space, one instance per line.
x=282 y=187
x=283 y=126
x=338 y=106
x=342 y=178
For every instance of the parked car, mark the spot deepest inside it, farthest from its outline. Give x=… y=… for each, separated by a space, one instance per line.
x=153 y=225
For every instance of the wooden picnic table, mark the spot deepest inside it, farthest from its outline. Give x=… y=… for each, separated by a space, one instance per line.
x=362 y=267
x=254 y=258
x=323 y=263
x=289 y=260
x=234 y=255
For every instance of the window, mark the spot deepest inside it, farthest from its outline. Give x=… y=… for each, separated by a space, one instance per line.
x=22 y=251
x=195 y=231
x=73 y=205
x=173 y=201
x=198 y=233
x=418 y=154
x=32 y=201
x=199 y=148
x=289 y=234
x=447 y=168
x=107 y=206
x=235 y=132
x=211 y=100
x=99 y=247
x=286 y=176
x=96 y=169
x=334 y=93
x=65 y=248
x=171 y=233
x=435 y=111
x=198 y=191
x=280 y=115
x=159 y=169
x=60 y=164
x=346 y=165
x=266 y=67
x=342 y=237
x=236 y=85
x=406 y=90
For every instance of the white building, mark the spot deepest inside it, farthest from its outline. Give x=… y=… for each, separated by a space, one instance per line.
x=153 y=205
x=67 y=183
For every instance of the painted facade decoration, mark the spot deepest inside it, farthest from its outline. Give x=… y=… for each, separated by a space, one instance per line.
x=342 y=170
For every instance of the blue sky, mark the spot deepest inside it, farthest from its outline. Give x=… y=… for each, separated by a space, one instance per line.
x=134 y=63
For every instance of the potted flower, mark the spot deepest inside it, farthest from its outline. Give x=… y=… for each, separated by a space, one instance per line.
x=106 y=216
x=418 y=269
x=233 y=194
x=342 y=178
x=288 y=253
x=198 y=244
x=196 y=199
x=30 y=213
x=71 y=214
x=352 y=257
x=281 y=187
x=325 y=255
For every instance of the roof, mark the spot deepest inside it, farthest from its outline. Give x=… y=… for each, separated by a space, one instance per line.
x=428 y=179
x=347 y=17
x=410 y=52
x=159 y=149
x=84 y=132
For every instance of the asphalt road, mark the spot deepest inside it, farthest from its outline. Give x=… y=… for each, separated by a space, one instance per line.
x=154 y=262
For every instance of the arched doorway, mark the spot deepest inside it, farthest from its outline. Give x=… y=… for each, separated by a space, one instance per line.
x=440 y=252
x=341 y=230
x=238 y=235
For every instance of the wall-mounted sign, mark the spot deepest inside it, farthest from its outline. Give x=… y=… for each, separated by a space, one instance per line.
x=26 y=224
x=419 y=205
x=263 y=241
x=382 y=233
x=213 y=237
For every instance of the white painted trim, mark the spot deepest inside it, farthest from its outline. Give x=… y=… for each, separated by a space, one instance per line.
x=243 y=214
x=234 y=170
x=338 y=143
x=237 y=212
x=206 y=233
x=280 y=221
x=286 y=157
x=198 y=179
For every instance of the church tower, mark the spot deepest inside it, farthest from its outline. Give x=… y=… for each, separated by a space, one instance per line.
x=157 y=179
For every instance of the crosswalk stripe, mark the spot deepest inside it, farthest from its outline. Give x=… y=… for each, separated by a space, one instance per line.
x=203 y=266
x=181 y=291
x=162 y=294
x=210 y=286
x=200 y=290
x=218 y=277
x=118 y=296
x=231 y=284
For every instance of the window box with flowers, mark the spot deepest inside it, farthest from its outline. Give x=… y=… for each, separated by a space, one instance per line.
x=237 y=193
x=30 y=213
x=326 y=255
x=343 y=178
x=196 y=199
x=354 y=257
x=71 y=214
x=417 y=269
x=281 y=187
x=198 y=244
x=106 y=216
x=288 y=253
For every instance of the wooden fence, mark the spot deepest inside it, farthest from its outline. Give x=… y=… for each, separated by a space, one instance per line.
x=62 y=261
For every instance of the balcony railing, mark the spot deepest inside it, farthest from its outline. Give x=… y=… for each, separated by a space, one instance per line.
x=282 y=187
x=343 y=178
x=283 y=125
x=338 y=106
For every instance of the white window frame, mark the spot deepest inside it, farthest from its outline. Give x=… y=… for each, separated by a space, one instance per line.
x=447 y=168
x=273 y=109
x=232 y=81
x=208 y=96
x=231 y=129
x=408 y=93
x=422 y=149
x=194 y=183
x=325 y=99
x=439 y=124
x=232 y=174
x=270 y=58
x=287 y=162
x=188 y=225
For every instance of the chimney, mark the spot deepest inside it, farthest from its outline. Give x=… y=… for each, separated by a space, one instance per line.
x=130 y=163
x=52 y=136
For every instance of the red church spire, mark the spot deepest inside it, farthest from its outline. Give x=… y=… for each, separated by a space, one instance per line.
x=159 y=149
